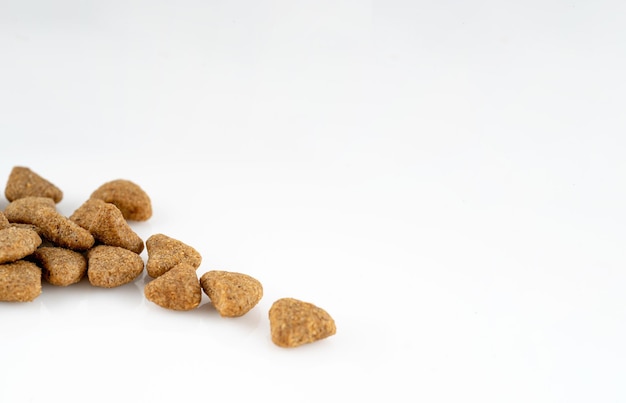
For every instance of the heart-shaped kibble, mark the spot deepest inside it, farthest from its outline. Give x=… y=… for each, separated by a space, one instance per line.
x=232 y=294
x=16 y=243
x=177 y=289
x=294 y=322
x=165 y=252
x=112 y=266
x=20 y=281
x=130 y=198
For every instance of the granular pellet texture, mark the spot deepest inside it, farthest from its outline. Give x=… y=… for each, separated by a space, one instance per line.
x=60 y=266
x=232 y=294
x=177 y=289
x=4 y=223
x=130 y=198
x=16 y=243
x=112 y=266
x=24 y=182
x=107 y=225
x=20 y=281
x=165 y=252
x=55 y=227
x=294 y=323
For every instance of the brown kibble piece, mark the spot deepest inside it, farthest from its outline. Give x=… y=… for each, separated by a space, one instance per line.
x=232 y=294
x=294 y=322
x=165 y=252
x=60 y=266
x=107 y=225
x=16 y=243
x=132 y=200
x=4 y=223
x=24 y=182
x=58 y=229
x=177 y=289
x=20 y=281
x=112 y=266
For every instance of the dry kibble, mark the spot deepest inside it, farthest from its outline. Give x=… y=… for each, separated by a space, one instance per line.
x=112 y=266
x=24 y=182
x=20 y=281
x=232 y=294
x=294 y=322
x=107 y=225
x=58 y=229
x=16 y=243
x=165 y=252
x=177 y=289
x=132 y=200
x=60 y=266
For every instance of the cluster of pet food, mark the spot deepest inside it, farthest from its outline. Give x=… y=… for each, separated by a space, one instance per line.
x=38 y=243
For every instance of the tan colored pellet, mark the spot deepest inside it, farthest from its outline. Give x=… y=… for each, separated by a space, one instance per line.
x=165 y=252
x=112 y=266
x=60 y=266
x=24 y=182
x=20 y=281
x=107 y=225
x=17 y=243
x=177 y=289
x=294 y=322
x=130 y=198
x=232 y=294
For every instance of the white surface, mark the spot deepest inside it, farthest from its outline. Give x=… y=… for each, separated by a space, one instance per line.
x=445 y=178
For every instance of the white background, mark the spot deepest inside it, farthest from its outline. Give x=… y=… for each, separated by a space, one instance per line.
x=445 y=178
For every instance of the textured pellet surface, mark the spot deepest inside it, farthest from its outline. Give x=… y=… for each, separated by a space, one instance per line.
x=107 y=225
x=232 y=294
x=294 y=322
x=130 y=198
x=16 y=243
x=112 y=266
x=177 y=289
x=60 y=266
x=165 y=252
x=24 y=182
x=20 y=281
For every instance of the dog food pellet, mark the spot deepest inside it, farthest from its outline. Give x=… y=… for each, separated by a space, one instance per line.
x=60 y=266
x=55 y=227
x=132 y=200
x=165 y=252
x=294 y=322
x=232 y=294
x=107 y=225
x=16 y=243
x=24 y=182
x=4 y=223
x=20 y=281
x=177 y=289
x=112 y=266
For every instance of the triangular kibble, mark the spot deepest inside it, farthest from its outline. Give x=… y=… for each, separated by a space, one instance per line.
x=165 y=252
x=177 y=289
x=24 y=182
x=294 y=322
x=107 y=224
x=232 y=294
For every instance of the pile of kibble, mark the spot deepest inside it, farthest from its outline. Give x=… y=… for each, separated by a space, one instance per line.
x=37 y=243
